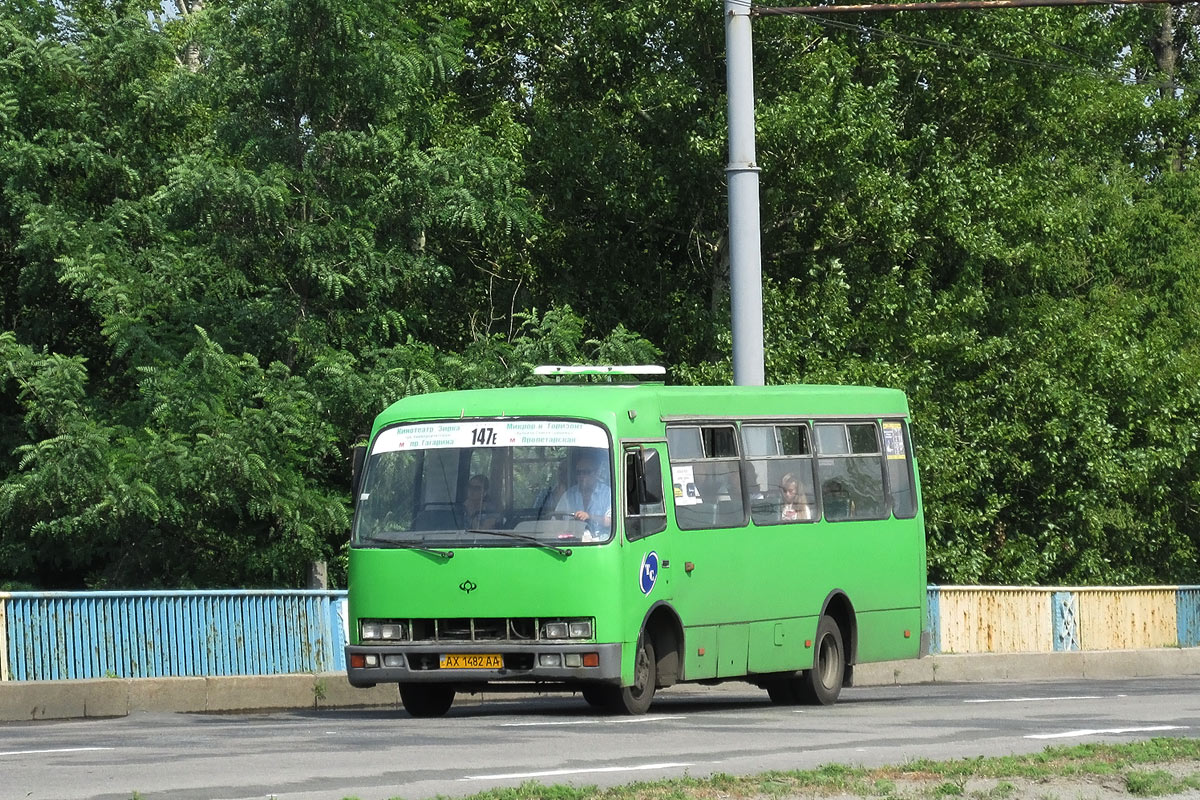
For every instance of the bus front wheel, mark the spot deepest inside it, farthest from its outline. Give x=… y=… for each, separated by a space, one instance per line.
x=636 y=699
x=426 y=700
x=822 y=684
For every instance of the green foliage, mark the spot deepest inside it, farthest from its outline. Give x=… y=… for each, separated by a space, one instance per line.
x=229 y=238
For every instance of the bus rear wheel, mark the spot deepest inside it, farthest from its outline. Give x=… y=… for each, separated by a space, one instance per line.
x=426 y=700
x=636 y=699
x=822 y=684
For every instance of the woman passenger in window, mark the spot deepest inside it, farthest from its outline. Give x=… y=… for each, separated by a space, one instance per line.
x=794 y=506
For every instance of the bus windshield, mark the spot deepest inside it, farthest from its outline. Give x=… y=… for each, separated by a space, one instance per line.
x=486 y=483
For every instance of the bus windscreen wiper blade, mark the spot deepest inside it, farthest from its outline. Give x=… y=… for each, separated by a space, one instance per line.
x=411 y=545
x=563 y=551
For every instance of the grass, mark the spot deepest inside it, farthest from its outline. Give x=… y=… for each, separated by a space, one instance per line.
x=1137 y=768
x=1159 y=783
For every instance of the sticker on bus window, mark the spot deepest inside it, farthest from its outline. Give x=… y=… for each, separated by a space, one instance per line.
x=490 y=433
x=683 y=479
x=649 y=573
x=893 y=440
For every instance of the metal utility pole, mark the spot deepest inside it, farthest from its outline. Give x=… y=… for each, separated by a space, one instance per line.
x=745 y=256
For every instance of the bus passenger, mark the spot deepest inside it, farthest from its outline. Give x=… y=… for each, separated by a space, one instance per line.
x=794 y=506
x=478 y=508
x=589 y=500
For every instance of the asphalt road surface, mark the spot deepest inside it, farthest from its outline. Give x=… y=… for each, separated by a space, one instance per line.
x=696 y=731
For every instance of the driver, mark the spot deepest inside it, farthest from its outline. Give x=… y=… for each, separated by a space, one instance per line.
x=589 y=500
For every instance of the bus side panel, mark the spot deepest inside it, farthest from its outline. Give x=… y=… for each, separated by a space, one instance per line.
x=733 y=644
x=700 y=653
x=772 y=582
x=881 y=635
x=778 y=645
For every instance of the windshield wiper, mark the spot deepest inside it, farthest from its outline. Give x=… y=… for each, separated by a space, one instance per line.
x=411 y=545
x=562 y=551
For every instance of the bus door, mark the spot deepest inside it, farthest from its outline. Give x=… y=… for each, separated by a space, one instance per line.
x=715 y=587
x=645 y=515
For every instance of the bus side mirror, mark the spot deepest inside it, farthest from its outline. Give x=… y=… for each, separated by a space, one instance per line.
x=358 y=457
x=650 y=479
x=645 y=514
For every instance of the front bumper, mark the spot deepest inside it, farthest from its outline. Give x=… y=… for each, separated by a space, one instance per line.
x=418 y=663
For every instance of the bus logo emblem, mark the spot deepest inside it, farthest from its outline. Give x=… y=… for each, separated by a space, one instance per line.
x=467 y=586
x=649 y=572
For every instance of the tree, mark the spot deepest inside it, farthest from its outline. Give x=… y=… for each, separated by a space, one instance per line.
x=232 y=231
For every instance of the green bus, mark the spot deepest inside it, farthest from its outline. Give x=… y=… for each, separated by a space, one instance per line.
x=614 y=539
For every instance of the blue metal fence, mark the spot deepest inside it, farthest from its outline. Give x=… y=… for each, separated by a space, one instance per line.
x=1187 y=615
x=931 y=619
x=60 y=635
x=57 y=635
x=1064 y=612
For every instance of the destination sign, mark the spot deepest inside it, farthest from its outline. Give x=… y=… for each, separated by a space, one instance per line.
x=490 y=433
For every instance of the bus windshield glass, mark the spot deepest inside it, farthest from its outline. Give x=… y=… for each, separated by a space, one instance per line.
x=486 y=483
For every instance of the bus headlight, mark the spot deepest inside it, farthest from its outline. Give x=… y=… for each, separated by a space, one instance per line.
x=381 y=630
x=555 y=630
x=567 y=629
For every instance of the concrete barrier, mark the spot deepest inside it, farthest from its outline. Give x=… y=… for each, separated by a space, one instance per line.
x=115 y=697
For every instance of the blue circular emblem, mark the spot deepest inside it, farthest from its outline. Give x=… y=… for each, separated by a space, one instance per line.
x=649 y=572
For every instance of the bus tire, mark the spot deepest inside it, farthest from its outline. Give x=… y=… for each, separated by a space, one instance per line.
x=595 y=696
x=422 y=700
x=636 y=699
x=822 y=684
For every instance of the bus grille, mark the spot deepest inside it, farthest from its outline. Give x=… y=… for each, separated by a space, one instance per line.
x=474 y=629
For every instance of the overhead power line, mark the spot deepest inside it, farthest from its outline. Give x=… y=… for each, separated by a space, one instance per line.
x=948 y=5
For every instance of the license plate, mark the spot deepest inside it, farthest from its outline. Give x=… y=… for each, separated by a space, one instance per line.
x=470 y=661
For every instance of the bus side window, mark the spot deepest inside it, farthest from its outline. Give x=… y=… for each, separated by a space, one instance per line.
x=899 y=469
x=779 y=461
x=706 y=476
x=645 y=511
x=851 y=471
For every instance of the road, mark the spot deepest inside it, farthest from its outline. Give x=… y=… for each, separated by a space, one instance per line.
x=696 y=731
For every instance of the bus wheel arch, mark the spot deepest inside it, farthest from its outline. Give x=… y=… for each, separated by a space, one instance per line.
x=665 y=630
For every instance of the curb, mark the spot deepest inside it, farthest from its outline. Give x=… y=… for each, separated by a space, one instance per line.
x=118 y=697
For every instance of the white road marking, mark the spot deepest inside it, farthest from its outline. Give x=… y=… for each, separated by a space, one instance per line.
x=1040 y=699
x=560 y=772
x=1097 y=731
x=55 y=750
x=631 y=721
